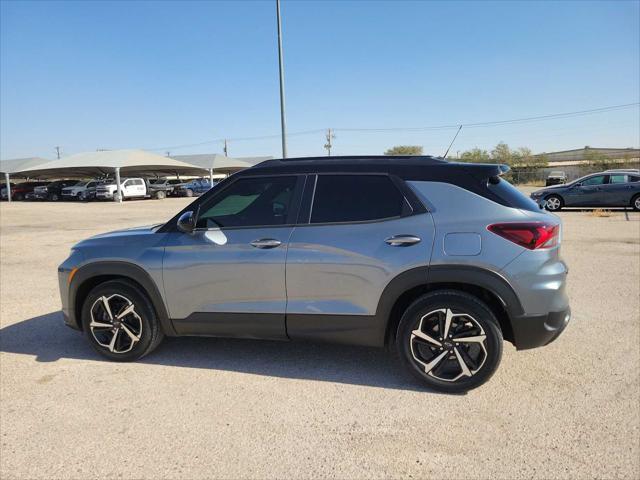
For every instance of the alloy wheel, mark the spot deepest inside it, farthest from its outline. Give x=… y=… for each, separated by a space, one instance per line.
x=636 y=203
x=553 y=203
x=449 y=346
x=118 y=332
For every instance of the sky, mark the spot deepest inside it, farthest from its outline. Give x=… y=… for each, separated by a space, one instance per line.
x=180 y=76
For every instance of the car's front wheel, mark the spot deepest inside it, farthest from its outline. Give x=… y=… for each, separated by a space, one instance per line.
x=554 y=203
x=450 y=340
x=120 y=322
x=635 y=203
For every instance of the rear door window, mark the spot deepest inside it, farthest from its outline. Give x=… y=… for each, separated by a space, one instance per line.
x=356 y=198
x=618 y=179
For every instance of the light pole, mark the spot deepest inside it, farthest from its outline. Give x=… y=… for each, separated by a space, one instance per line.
x=281 y=69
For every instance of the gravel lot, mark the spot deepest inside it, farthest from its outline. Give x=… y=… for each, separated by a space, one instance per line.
x=202 y=408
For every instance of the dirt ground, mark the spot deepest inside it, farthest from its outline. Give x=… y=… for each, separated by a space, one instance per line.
x=204 y=408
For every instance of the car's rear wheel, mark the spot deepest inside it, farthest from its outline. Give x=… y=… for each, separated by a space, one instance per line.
x=188 y=192
x=635 y=203
x=54 y=197
x=450 y=340
x=120 y=322
x=160 y=195
x=554 y=203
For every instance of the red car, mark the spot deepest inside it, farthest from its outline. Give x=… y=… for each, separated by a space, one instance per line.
x=20 y=190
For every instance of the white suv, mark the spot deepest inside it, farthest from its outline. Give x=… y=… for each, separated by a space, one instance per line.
x=131 y=188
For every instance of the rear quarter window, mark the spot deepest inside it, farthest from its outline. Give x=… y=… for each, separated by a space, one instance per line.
x=512 y=196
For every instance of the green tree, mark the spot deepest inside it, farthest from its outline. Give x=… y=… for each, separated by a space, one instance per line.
x=501 y=153
x=404 y=150
x=475 y=155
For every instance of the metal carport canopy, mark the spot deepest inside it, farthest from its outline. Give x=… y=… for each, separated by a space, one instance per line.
x=129 y=162
x=219 y=163
x=10 y=167
x=118 y=162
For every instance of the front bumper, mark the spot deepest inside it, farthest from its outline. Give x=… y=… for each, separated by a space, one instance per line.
x=539 y=330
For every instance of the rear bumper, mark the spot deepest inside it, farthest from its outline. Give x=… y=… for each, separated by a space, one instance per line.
x=539 y=330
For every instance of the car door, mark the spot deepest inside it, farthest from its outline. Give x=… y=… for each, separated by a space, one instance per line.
x=227 y=278
x=618 y=191
x=588 y=193
x=356 y=234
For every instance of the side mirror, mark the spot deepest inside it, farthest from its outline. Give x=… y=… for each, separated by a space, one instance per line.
x=187 y=222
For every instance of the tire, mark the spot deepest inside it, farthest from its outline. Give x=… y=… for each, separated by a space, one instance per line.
x=54 y=197
x=635 y=202
x=141 y=323
x=160 y=195
x=188 y=192
x=18 y=197
x=445 y=358
x=554 y=203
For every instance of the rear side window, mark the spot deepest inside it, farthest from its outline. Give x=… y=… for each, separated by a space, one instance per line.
x=512 y=196
x=618 y=179
x=634 y=178
x=355 y=198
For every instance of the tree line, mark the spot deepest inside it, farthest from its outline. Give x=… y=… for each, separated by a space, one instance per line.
x=501 y=153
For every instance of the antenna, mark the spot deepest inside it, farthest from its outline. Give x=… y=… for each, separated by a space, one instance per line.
x=330 y=136
x=451 y=144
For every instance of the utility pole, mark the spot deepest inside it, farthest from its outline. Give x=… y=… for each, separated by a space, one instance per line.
x=226 y=151
x=168 y=154
x=330 y=136
x=281 y=70
x=58 y=152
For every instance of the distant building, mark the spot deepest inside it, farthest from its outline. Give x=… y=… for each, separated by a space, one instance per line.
x=579 y=155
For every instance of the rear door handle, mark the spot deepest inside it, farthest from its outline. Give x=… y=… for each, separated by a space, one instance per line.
x=402 y=240
x=266 y=243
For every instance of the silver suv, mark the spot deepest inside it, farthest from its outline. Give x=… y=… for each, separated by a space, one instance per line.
x=438 y=261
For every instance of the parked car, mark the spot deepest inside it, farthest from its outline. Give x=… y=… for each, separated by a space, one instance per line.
x=615 y=189
x=171 y=184
x=20 y=190
x=556 y=177
x=81 y=190
x=401 y=252
x=131 y=188
x=3 y=190
x=52 y=191
x=194 y=188
x=157 y=190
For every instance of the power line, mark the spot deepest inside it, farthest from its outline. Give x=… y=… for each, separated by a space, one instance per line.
x=552 y=116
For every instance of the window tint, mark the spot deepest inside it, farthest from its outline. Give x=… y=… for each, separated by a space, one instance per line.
x=618 y=179
x=512 y=197
x=354 y=198
x=634 y=178
x=250 y=202
x=598 y=180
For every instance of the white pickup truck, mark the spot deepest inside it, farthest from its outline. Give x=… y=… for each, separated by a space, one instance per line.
x=131 y=188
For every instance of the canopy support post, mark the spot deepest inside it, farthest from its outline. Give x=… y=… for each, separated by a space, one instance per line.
x=6 y=179
x=117 y=169
x=211 y=177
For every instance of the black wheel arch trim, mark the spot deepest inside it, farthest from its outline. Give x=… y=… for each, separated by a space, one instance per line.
x=124 y=270
x=429 y=276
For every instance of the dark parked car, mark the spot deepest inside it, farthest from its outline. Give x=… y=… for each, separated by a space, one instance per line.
x=605 y=189
x=51 y=191
x=194 y=188
x=170 y=185
x=20 y=190
x=556 y=178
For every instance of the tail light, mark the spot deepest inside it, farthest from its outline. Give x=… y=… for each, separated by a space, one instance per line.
x=531 y=235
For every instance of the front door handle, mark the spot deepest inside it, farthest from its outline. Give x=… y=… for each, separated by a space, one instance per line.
x=266 y=243
x=402 y=240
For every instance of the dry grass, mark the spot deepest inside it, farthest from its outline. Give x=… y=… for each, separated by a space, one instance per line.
x=599 y=212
